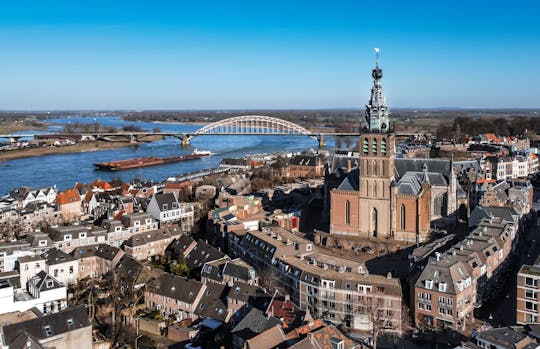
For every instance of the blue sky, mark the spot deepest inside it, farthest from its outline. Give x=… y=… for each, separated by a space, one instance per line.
x=266 y=54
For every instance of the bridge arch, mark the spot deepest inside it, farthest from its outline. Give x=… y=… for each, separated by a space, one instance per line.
x=251 y=125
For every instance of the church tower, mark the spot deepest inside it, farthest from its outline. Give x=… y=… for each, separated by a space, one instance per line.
x=376 y=176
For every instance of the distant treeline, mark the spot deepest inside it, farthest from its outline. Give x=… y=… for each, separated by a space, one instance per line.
x=502 y=126
x=79 y=127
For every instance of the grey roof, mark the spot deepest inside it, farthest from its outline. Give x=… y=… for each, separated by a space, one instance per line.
x=129 y=267
x=351 y=181
x=504 y=336
x=179 y=288
x=40 y=282
x=213 y=304
x=250 y=294
x=201 y=254
x=180 y=245
x=25 y=340
x=305 y=160
x=462 y=166
x=404 y=165
x=409 y=184
x=165 y=199
x=239 y=270
x=480 y=212
x=49 y=325
x=253 y=323
x=56 y=256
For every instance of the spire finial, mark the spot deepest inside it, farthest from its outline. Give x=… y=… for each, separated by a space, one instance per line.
x=377 y=50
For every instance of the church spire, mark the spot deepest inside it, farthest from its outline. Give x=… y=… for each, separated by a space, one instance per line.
x=377 y=118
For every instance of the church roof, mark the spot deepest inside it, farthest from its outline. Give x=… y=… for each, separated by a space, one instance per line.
x=351 y=181
x=438 y=166
x=409 y=184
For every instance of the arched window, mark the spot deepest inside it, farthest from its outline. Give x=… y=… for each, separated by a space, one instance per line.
x=375 y=222
x=375 y=189
x=402 y=217
x=365 y=147
x=383 y=146
x=375 y=172
x=374 y=146
x=347 y=212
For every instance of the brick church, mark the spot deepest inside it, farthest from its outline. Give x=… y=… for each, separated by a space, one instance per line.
x=389 y=197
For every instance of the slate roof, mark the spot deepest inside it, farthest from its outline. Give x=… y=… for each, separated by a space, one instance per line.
x=181 y=244
x=253 y=323
x=40 y=281
x=351 y=181
x=201 y=254
x=213 y=304
x=165 y=199
x=49 y=325
x=404 y=165
x=304 y=160
x=250 y=294
x=239 y=269
x=409 y=184
x=504 y=336
x=129 y=267
x=25 y=341
x=179 y=288
x=56 y=256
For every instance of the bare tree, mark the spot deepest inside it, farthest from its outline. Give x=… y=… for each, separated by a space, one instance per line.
x=383 y=313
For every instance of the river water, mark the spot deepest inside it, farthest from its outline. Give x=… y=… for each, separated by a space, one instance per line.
x=64 y=170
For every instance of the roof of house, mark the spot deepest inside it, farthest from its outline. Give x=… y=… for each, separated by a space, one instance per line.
x=202 y=253
x=213 y=303
x=404 y=165
x=250 y=294
x=68 y=196
x=267 y=339
x=504 y=336
x=253 y=323
x=179 y=288
x=56 y=256
x=25 y=340
x=350 y=182
x=49 y=325
x=165 y=199
x=239 y=269
x=44 y=282
x=323 y=338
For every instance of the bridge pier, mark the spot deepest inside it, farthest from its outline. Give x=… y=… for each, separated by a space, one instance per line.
x=186 y=139
x=321 y=140
x=132 y=138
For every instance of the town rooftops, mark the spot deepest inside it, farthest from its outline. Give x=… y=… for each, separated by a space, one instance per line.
x=213 y=302
x=178 y=288
x=56 y=256
x=506 y=337
x=404 y=165
x=327 y=337
x=147 y=237
x=44 y=282
x=67 y=197
x=254 y=323
x=48 y=326
x=239 y=269
x=166 y=202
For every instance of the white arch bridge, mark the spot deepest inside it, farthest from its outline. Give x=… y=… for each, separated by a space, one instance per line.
x=253 y=125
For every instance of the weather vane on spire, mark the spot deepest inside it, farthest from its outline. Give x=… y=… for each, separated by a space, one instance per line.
x=377 y=50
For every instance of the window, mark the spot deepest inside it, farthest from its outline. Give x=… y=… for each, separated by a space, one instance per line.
x=50 y=284
x=374 y=146
x=82 y=235
x=428 y=307
x=347 y=212
x=42 y=242
x=165 y=207
x=531 y=294
x=531 y=306
x=442 y=286
x=402 y=217
x=429 y=284
x=71 y=269
x=531 y=282
x=55 y=273
x=420 y=305
x=383 y=146
x=67 y=237
x=441 y=311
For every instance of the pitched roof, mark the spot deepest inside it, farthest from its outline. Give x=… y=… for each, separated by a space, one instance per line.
x=253 y=323
x=179 y=288
x=350 y=182
x=213 y=304
x=165 y=199
x=49 y=325
x=404 y=165
x=56 y=256
x=323 y=338
x=68 y=196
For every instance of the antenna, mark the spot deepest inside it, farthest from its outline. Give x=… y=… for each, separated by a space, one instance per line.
x=377 y=50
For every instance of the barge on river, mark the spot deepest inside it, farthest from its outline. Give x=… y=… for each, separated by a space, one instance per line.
x=148 y=161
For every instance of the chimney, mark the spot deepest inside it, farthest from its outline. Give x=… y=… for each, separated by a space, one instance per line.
x=349 y=166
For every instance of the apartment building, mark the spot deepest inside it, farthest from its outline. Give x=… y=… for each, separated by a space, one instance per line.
x=528 y=282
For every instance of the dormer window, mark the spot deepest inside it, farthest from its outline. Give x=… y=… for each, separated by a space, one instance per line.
x=82 y=235
x=42 y=243
x=442 y=286
x=50 y=283
x=67 y=237
x=165 y=207
x=174 y=205
x=137 y=223
x=117 y=229
x=429 y=284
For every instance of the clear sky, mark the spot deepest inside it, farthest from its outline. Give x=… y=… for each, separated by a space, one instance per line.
x=267 y=54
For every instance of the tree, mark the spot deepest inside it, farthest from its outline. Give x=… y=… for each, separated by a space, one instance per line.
x=380 y=310
x=179 y=267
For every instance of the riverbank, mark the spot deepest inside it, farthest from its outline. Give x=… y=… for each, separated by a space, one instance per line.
x=81 y=147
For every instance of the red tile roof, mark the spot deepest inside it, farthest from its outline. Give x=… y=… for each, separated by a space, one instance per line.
x=68 y=196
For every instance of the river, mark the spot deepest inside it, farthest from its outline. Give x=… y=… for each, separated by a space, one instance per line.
x=64 y=170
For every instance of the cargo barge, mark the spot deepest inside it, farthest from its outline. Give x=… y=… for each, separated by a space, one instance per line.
x=143 y=162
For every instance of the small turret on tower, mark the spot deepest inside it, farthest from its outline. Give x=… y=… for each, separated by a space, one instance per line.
x=377 y=114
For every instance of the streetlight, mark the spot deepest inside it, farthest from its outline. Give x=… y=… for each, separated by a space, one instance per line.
x=137 y=329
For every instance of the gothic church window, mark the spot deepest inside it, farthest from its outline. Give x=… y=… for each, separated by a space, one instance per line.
x=402 y=217
x=374 y=146
x=383 y=146
x=347 y=212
